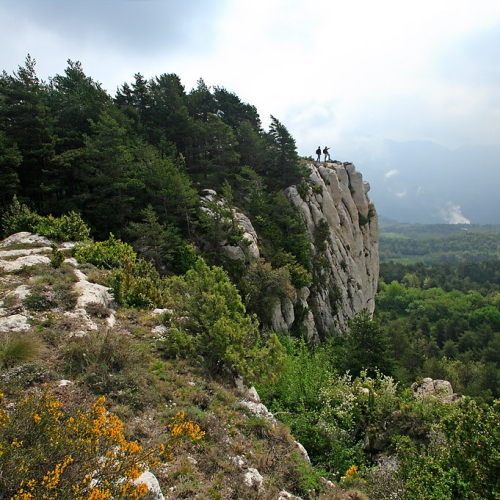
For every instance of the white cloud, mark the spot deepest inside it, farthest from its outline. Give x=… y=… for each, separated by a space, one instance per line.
x=452 y=214
x=391 y=173
x=401 y=194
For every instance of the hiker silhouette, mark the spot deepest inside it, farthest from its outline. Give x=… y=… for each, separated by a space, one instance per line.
x=326 y=153
x=318 y=152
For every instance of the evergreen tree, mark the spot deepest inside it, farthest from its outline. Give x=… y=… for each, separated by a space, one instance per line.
x=108 y=177
x=25 y=120
x=171 y=127
x=367 y=346
x=215 y=150
x=282 y=165
x=10 y=159
x=201 y=102
x=75 y=99
x=233 y=112
x=251 y=145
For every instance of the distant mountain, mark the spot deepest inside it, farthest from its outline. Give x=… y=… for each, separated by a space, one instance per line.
x=424 y=182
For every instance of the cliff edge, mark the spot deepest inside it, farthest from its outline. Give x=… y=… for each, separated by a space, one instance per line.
x=343 y=228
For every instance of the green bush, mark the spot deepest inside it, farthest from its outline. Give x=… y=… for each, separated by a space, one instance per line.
x=209 y=319
x=57 y=257
x=65 y=228
x=18 y=217
x=461 y=459
x=138 y=284
x=264 y=286
x=106 y=254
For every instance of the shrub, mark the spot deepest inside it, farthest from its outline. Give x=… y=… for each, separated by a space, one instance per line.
x=299 y=275
x=461 y=460
x=264 y=286
x=210 y=319
x=64 y=228
x=107 y=254
x=303 y=189
x=138 y=284
x=317 y=189
x=45 y=297
x=47 y=453
x=40 y=299
x=18 y=217
x=57 y=257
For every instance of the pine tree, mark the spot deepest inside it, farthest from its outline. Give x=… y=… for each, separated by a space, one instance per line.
x=25 y=120
x=282 y=159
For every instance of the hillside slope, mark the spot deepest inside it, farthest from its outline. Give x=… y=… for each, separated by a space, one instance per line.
x=77 y=347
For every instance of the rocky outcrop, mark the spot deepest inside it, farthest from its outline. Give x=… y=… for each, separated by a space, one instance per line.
x=438 y=389
x=343 y=229
x=244 y=247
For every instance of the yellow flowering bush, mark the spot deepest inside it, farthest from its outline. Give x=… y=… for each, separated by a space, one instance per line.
x=352 y=479
x=46 y=453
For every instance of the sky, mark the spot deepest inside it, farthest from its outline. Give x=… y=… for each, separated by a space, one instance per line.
x=347 y=74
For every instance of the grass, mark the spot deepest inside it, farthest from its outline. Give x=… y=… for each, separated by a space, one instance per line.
x=18 y=349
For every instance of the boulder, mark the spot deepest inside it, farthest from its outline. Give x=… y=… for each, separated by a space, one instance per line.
x=150 y=480
x=253 y=479
x=14 y=323
x=25 y=238
x=25 y=261
x=429 y=388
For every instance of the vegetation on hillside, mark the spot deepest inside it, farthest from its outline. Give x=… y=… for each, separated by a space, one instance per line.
x=128 y=171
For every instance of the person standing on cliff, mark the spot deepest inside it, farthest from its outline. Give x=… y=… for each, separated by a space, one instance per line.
x=318 y=152
x=326 y=153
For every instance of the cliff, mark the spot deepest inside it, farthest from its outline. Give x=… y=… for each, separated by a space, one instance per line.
x=345 y=249
x=342 y=227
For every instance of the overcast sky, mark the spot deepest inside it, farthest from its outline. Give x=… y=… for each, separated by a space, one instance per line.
x=344 y=73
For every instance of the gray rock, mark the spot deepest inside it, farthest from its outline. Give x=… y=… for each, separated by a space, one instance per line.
x=160 y=329
x=429 y=388
x=24 y=238
x=284 y=495
x=159 y=312
x=259 y=410
x=303 y=452
x=252 y=395
x=22 y=252
x=150 y=480
x=14 y=323
x=91 y=292
x=253 y=479
x=26 y=261
x=350 y=275
x=21 y=292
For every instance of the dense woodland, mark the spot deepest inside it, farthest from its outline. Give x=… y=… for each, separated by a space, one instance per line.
x=128 y=170
x=438 y=243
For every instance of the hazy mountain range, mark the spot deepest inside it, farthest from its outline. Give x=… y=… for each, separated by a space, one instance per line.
x=424 y=182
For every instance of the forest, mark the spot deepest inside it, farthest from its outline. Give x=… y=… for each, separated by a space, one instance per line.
x=124 y=173
x=433 y=243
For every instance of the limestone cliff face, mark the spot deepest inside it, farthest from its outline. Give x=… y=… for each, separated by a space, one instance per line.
x=343 y=228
